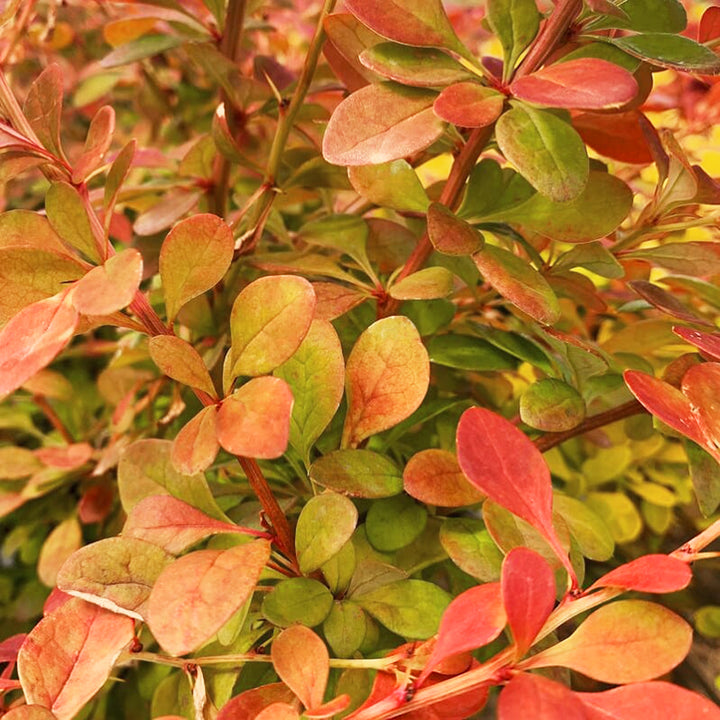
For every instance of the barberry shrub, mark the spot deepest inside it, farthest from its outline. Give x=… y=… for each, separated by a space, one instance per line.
x=359 y=361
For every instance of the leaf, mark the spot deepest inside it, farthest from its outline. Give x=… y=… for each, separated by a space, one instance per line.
x=182 y=362
x=449 y=234
x=467 y=352
x=546 y=151
x=516 y=23
x=116 y=176
x=538 y=697
x=29 y=712
x=394 y=185
x=624 y=642
x=109 y=287
x=649 y=573
x=686 y=258
x=666 y=302
x=471 y=548
x=552 y=405
x=62 y=542
x=649 y=15
x=345 y=628
x=587 y=528
x=17 y=463
x=65 y=457
x=469 y=104
x=174 y=204
x=380 y=123
x=426 y=284
x=194 y=257
x=316 y=377
x=297 y=600
x=387 y=376
x=116 y=573
x=699 y=384
x=434 y=477
x=671 y=51
x=43 y=108
x=505 y=465
x=582 y=84
x=255 y=420
x=278 y=711
x=409 y=608
x=251 y=702
x=33 y=338
x=615 y=135
x=68 y=655
x=516 y=280
x=418 y=67
x=301 y=661
x=472 y=620
x=24 y=228
x=269 y=320
x=97 y=143
x=705 y=476
x=393 y=523
x=657 y=700
x=69 y=219
x=358 y=473
x=407 y=22
x=528 y=593
x=709 y=28
x=196 y=445
x=173 y=524
x=592 y=256
x=198 y=593
x=144 y=47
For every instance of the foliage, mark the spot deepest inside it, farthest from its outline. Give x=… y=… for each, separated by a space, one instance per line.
x=353 y=360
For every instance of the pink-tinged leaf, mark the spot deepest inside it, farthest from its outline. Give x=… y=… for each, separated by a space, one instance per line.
x=251 y=702
x=182 y=362
x=278 y=711
x=97 y=142
x=330 y=709
x=709 y=28
x=426 y=284
x=347 y=38
x=666 y=403
x=505 y=465
x=618 y=136
x=435 y=478
x=701 y=386
x=469 y=104
x=29 y=712
x=197 y=594
x=172 y=524
x=255 y=420
x=584 y=84
x=33 y=338
x=196 y=446
x=162 y=215
x=650 y=573
x=380 y=123
x=624 y=642
x=386 y=377
x=68 y=655
x=533 y=696
x=528 y=591
x=473 y=619
x=302 y=662
x=655 y=700
x=449 y=234
x=708 y=343
x=10 y=647
x=269 y=320
x=109 y=287
x=54 y=600
x=65 y=457
x=334 y=300
x=95 y=504
x=194 y=257
x=43 y=107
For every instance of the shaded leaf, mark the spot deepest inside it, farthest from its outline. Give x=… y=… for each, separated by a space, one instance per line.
x=649 y=573
x=251 y=702
x=142 y=47
x=196 y=445
x=358 y=473
x=699 y=384
x=665 y=302
x=62 y=542
x=65 y=457
x=297 y=600
x=587 y=528
x=115 y=573
x=471 y=548
x=68 y=655
x=393 y=523
x=193 y=258
x=97 y=143
x=467 y=352
x=198 y=593
x=174 y=204
x=181 y=361
x=109 y=287
x=67 y=216
x=255 y=420
x=302 y=662
x=387 y=376
x=552 y=405
x=592 y=256
x=394 y=185
x=29 y=712
x=449 y=234
x=43 y=107
x=435 y=478
x=426 y=284
x=540 y=698
x=347 y=38
x=705 y=476
x=345 y=628
x=671 y=51
x=616 y=135
x=688 y=258
x=469 y=104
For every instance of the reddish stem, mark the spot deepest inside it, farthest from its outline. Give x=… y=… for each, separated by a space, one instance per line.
x=53 y=417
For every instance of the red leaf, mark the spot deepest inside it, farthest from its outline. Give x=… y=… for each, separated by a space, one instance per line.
x=651 y=700
x=616 y=135
x=528 y=591
x=650 y=573
x=505 y=465
x=95 y=504
x=54 y=600
x=302 y=662
x=65 y=457
x=33 y=338
x=251 y=702
x=586 y=84
x=435 y=478
x=709 y=343
x=701 y=385
x=469 y=104
x=709 y=28
x=68 y=655
x=533 y=696
x=473 y=619
x=10 y=646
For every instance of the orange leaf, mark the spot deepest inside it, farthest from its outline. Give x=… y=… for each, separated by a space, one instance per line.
x=181 y=361
x=68 y=655
x=650 y=573
x=533 y=696
x=255 y=420
x=278 y=711
x=65 y=457
x=249 y=703
x=386 y=377
x=197 y=594
x=29 y=712
x=435 y=478
x=302 y=662
x=469 y=104
x=196 y=445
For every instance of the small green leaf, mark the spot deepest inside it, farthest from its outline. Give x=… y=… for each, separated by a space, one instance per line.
x=429 y=283
x=471 y=548
x=143 y=47
x=297 y=600
x=619 y=512
x=344 y=628
x=705 y=476
x=671 y=51
x=394 y=522
x=552 y=405
x=515 y=22
x=586 y=527
x=394 y=185
x=466 y=352
x=66 y=213
x=359 y=473
x=707 y=621
x=662 y=16
x=592 y=256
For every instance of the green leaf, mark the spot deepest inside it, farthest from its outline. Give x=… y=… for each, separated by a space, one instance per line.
x=663 y=16
x=347 y=234
x=325 y=524
x=410 y=608
x=471 y=548
x=66 y=213
x=144 y=47
x=394 y=522
x=592 y=256
x=344 y=628
x=586 y=527
x=429 y=283
x=707 y=621
x=358 y=473
x=620 y=514
x=394 y=185
x=297 y=600
x=552 y=405
x=671 y=51
x=546 y=151
x=338 y=571
x=516 y=23
x=705 y=476
x=466 y=352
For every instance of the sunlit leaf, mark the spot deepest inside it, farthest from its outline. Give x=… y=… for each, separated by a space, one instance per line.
x=196 y=445
x=347 y=38
x=435 y=478
x=109 y=287
x=69 y=219
x=515 y=22
x=449 y=234
x=249 y=703
x=197 y=594
x=24 y=228
x=297 y=600
x=538 y=697
x=394 y=185
x=649 y=573
x=687 y=258
x=358 y=473
x=180 y=361
x=671 y=51
x=699 y=384
x=469 y=104
x=552 y=405
x=471 y=548
x=59 y=545
x=43 y=107
x=278 y=711
x=393 y=523
x=615 y=135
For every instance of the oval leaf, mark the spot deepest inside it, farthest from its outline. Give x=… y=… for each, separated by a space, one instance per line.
x=449 y=234
x=709 y=343
x=359 y=473
x=394 y=185
x=469 y=104
x=67 y=216
x=435 y=478
x=540 y=698
x=426 y=284
x=109 y=287
x=251 y=702
x=552 y=405
x=671 y=51
x=650 y=573
x=196 y=445
x=699 y=384
x=197 y=594
x=181 y=361
x=297 y=600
